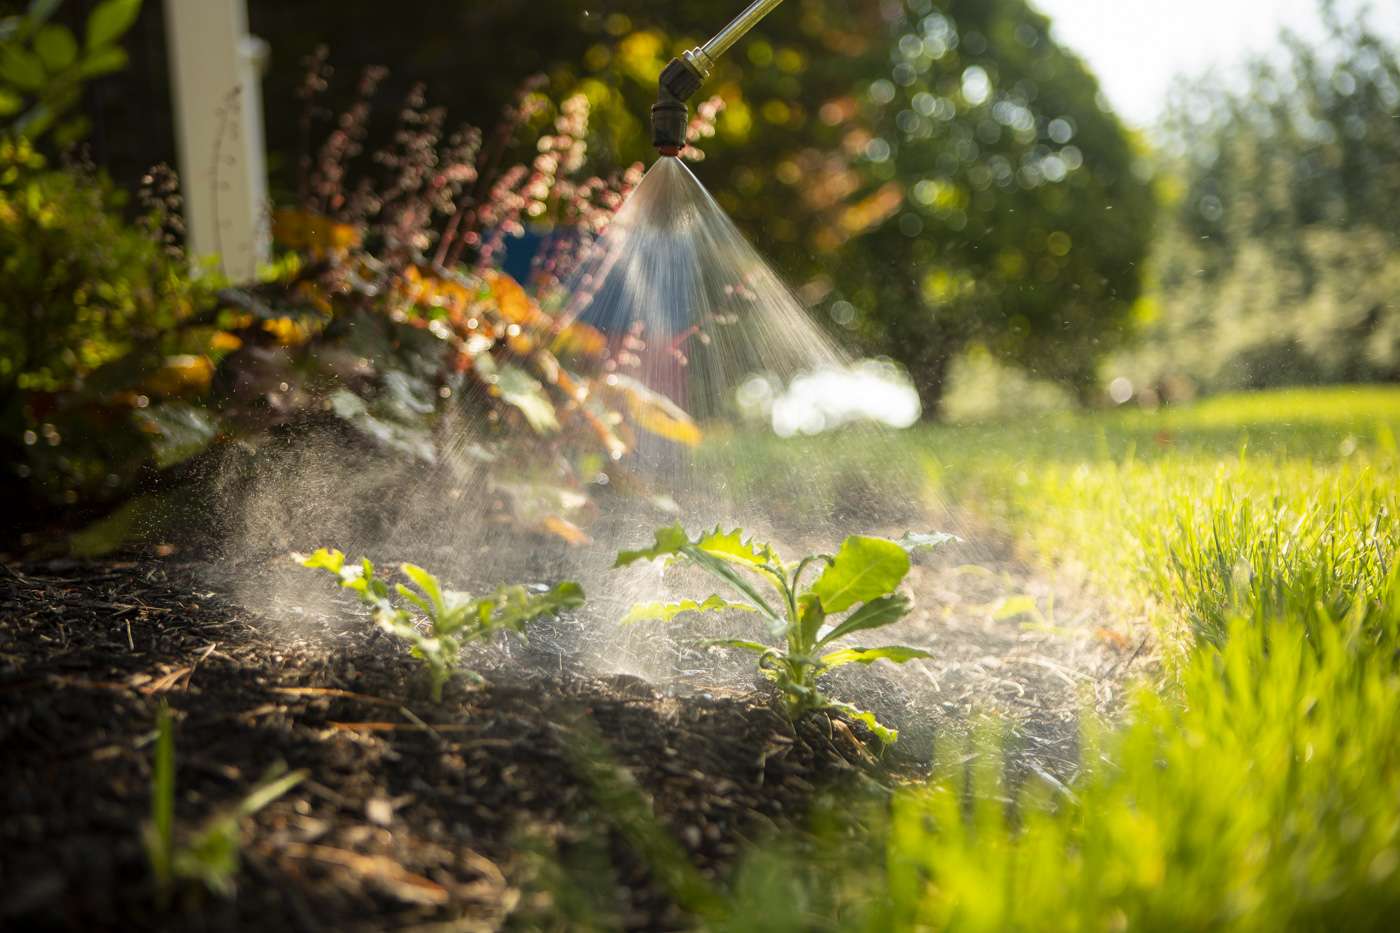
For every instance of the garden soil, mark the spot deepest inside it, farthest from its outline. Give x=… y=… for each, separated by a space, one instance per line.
x=512 y=803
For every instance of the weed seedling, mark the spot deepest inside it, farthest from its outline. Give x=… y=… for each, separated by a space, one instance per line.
x=210 y=855
x=449 y=619
x=860 y=580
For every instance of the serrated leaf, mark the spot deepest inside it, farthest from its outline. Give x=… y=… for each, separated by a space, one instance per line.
x=916 y=541
x=731 y=546
x=665 y=612
x=875 y=614
x=864 y=568
x=897 y=654
x=322 y=559
x=669 y=541
x=110 y=21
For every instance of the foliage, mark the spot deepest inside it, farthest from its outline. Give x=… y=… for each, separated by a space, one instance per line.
x=1254 y=786
x=387 y=315
x=43 y=67
x=93 y=309
x=1278 y=264
x=866 y=139
x=453 y=619
x=1002 y=213
x=861 y=579
x=981 y=117
x=210 y=855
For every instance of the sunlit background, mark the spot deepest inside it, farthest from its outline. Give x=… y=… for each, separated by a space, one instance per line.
x=1140 y=48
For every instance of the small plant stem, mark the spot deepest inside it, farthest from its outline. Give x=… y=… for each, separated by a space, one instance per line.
x=161 y=845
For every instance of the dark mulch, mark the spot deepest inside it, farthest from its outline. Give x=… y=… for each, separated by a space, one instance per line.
x=414 y=813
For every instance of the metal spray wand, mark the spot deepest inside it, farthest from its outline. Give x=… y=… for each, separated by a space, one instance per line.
x=683 y=76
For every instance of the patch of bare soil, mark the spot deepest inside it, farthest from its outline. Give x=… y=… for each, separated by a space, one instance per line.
x=419 y=813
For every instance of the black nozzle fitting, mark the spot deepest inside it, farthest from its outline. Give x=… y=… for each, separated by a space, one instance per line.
x=669 y=115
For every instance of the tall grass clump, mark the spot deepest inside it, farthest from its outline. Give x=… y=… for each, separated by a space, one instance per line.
x=1265 y=801
x=1255 y=786
x=1256 y=789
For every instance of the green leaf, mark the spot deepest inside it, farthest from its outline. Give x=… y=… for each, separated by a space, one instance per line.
x=160 y=832
x=665 y=612
x=811 y=617
x=895 y=653
x=915 y=541
x=728 y=574
x=738 y=643
x=669 y=541
x=512 y=606
x=177 y=431
x=110 y=21
x=21 y=68
x=519 y=388
x=429 y=585
x=414 y=438
x=332 y=560
x=885 y=734
x=1012 y=606
x=268 y=790
x=863 y=569
x=56 y=47
x=423 y=605
x=10 y=102
x=730 y=546
x=211 y=856
x=875 y=614
x=103 y=61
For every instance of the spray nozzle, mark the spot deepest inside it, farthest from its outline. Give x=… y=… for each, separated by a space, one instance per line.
x=683 y=77
x=669 y=115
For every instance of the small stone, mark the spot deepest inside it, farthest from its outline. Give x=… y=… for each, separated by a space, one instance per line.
x=379 y=811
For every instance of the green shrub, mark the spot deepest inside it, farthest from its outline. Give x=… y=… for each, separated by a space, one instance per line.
x=43 y=67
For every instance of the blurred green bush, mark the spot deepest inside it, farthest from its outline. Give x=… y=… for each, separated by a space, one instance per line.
x=43 y=66
x=386 y=324
x=1279 y=259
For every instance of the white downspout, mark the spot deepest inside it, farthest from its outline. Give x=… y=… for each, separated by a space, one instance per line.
x=215 y=68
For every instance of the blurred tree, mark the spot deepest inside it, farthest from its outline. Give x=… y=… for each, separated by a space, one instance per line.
x=967 y=185
x=1280 y=259
x=931 y=173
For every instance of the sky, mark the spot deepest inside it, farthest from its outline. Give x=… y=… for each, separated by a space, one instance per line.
x=1138 y=47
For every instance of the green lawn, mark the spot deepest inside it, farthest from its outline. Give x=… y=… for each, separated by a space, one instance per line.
x=1257 y=785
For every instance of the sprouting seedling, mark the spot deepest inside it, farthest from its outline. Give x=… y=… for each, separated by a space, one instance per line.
x=209 y=856
x=449 y=619
x=860 y=580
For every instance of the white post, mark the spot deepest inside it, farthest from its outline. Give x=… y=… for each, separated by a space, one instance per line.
x=214 y=71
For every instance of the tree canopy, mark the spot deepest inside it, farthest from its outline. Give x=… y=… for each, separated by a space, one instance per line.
x=1277 y=261
x=929 y=173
